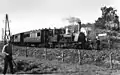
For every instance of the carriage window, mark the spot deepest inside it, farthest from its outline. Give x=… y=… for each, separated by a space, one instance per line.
x=27 y=35
x=38 y=34
x=16 y=37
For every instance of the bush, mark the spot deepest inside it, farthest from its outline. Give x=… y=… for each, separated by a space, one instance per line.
x=21 y=65
x=31 y=66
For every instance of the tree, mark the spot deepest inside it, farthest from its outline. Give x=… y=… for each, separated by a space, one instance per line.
x=100 y=23
x=108 y=18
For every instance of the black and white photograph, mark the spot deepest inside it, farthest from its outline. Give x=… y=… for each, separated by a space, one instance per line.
x=60 y=37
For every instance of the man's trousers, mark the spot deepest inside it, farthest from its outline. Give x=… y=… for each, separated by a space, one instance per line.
x=8 y=61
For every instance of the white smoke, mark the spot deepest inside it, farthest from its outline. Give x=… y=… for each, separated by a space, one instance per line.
x=73 y=20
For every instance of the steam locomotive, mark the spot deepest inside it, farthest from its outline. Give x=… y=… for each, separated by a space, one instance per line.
x=52 y=38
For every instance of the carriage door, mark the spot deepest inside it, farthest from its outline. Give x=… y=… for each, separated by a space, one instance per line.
x=21 y=37
x=44 y=36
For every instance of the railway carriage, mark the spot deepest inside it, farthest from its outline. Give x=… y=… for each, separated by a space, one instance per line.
x=32 y=37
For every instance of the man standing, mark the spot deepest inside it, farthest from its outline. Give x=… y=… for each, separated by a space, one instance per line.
x=98 y=43
x=7 y=51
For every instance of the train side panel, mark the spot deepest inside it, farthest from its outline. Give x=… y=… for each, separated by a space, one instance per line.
x=32 y=37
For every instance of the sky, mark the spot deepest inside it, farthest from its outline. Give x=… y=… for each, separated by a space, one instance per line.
x=25 y=15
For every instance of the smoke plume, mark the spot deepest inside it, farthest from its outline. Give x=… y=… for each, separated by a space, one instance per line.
x=73 y=19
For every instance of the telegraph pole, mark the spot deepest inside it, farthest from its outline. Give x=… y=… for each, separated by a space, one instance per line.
x=79 y=26
x=6 y=30
x=2 y=34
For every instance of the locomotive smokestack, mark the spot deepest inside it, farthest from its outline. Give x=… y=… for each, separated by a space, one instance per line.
x=79 y=26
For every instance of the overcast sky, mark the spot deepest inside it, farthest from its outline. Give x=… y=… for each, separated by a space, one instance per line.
x=36 y=14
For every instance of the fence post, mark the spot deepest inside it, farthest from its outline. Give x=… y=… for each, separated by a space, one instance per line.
x=26 y=52
x=62 y=56
x=35 y=53
x=111 y=65
x=18 y=52
x=79 y=56
x=46 y=53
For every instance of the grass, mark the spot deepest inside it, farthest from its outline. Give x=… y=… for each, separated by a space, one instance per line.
x=88 y=57
x=93 y=61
